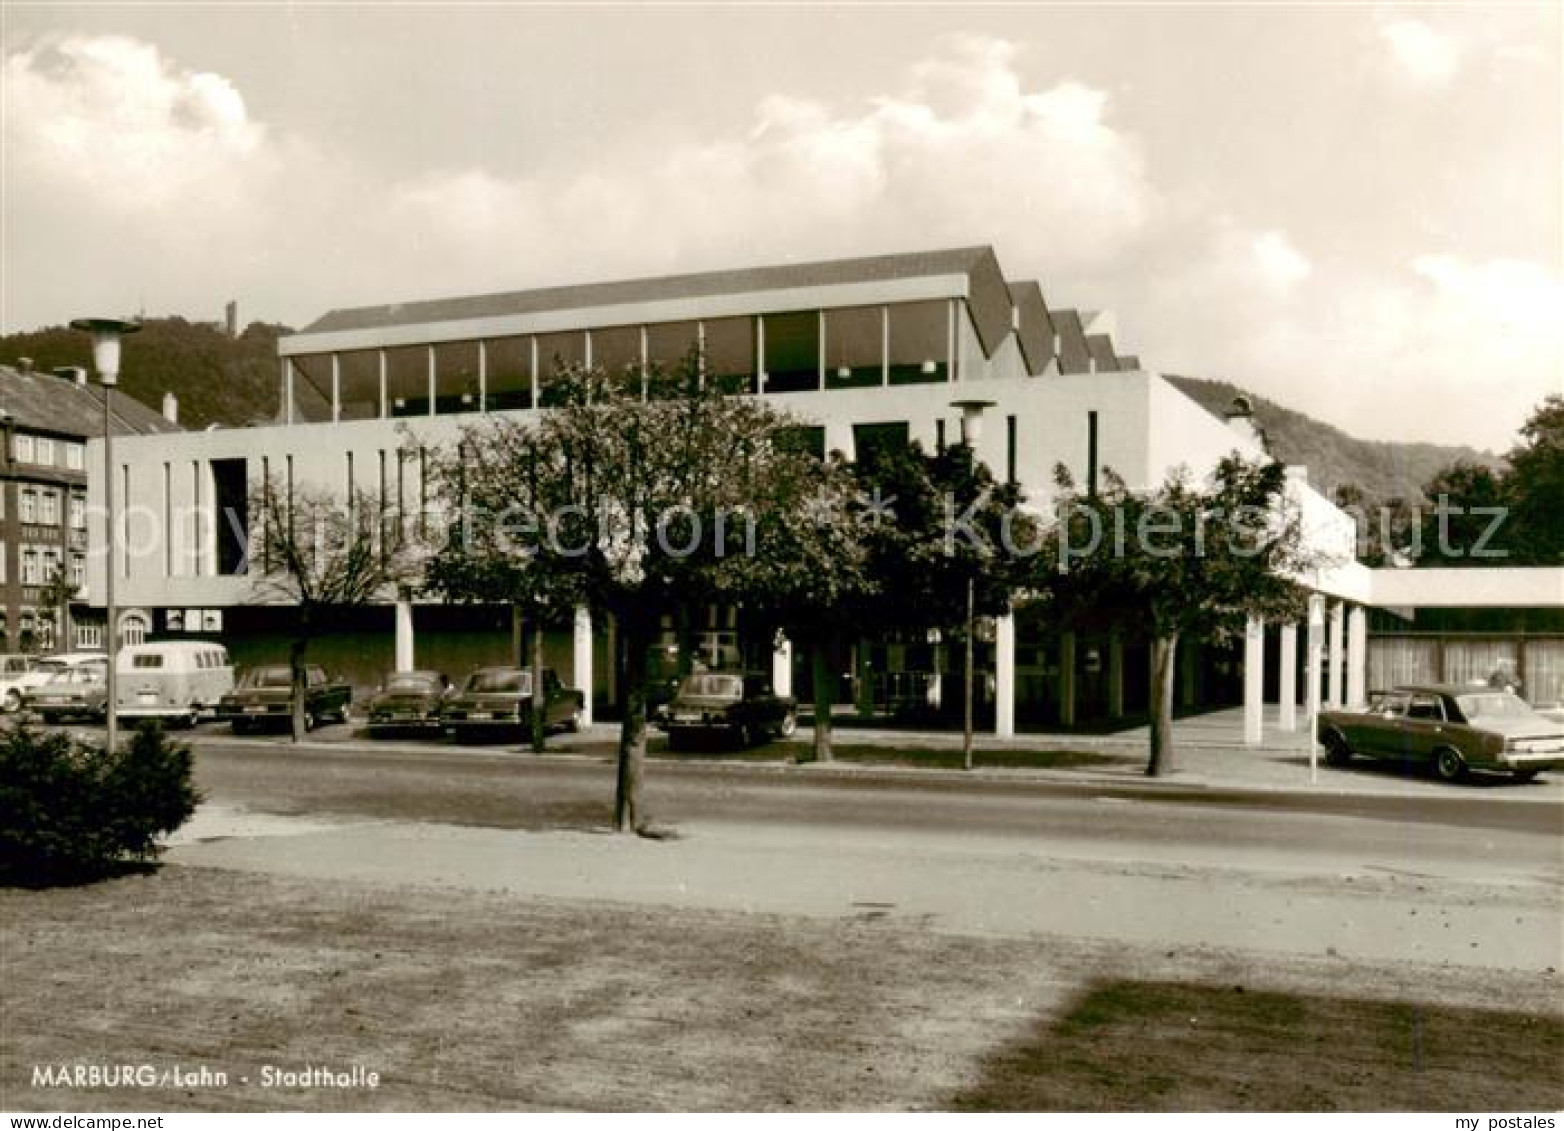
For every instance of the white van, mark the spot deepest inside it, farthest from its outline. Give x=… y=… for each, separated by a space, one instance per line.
x=179 y=680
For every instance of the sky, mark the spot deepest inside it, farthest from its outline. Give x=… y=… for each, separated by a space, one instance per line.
x=1352 y=209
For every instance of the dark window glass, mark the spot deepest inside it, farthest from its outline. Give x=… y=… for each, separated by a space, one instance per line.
x=1010 y=449
x=792 y=352
x=872 y=442
x=312 y=387
x=730 y=354
x=669 y=344
x=920 y=342
x=508 y=373
x=407 y=380
x=617 y=351
x=854 y=347
x=231 y=495
x=557 y=353
x=359 y=371
x=456 y=377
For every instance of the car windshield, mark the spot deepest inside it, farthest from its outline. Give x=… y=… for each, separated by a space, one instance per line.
x=500 y=679
x=50 y=668
x=267 y=677
x=413 y=681
x=1492 y=705
x=709 y=686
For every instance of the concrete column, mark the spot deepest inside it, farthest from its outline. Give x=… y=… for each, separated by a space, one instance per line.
x=1287 y=678
x=581 y=660
x=1116 y=675
x=1315 y=651
x=1338 y=626
x=936 y=692
x=782 y=667
x=1254 y=682
x=1005 y=676
x=404 y=634
x=336 y=387
x=1357 y=656
x=1067 y=679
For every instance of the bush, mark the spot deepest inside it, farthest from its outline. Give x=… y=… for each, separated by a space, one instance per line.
x=72 y=811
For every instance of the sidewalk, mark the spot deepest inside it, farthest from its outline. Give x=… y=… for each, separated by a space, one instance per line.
x=1208 y=753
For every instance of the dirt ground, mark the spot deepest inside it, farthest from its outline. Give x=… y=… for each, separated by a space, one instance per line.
x=484 y=1001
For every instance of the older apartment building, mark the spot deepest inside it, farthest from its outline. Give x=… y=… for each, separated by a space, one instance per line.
x=46 y=419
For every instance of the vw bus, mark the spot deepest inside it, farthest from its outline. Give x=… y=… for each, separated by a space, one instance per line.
x=177 y=680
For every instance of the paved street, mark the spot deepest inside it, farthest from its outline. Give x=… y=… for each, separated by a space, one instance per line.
x=1469 y=877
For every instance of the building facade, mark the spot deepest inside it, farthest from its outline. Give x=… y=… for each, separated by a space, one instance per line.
x=46 y=420
x=863 y=351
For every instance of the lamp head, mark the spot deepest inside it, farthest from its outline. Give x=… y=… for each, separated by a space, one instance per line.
x=972 y=418
x=106 y=334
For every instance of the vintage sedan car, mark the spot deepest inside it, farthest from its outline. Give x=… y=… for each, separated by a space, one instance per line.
x=409 y=700
x=264 y=697
x=741 y=707
x=499 y=700
x=81 y=691
x=1454 y=729
x=39 y=670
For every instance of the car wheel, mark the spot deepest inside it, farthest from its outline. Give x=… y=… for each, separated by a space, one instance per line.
x=1524 y=775
x=240 y=726
x=573 y=724
x=13 y=701
x=788 y=726
x=1449 y=764
x=309 y=720
x=1337 y=752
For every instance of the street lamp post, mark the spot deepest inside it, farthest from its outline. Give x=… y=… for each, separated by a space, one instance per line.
x=972 y=409
x=106 y=334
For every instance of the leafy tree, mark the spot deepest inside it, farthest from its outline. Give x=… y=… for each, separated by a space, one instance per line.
x=1191 y=559
x=491 y=477
x=643 y=494
x=1535 y=486
x=1388 y=530
x=1467 y=522
x=323 y=554
x=955 y=551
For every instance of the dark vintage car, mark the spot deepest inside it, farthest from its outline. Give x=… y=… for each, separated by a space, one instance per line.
x=1454 y=729
x=411 y=700
x=742 y=708
x=499 y=701
x=263 y=697
x=77 y=692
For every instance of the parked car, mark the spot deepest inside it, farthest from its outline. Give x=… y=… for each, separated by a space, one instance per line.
x=410 y=700
x=77 y=691
x=13 y=666
x=742 y=707
x=44 y=669
x=500 y=700
x=1452 y=728
x=264 y=696
x=175 y=680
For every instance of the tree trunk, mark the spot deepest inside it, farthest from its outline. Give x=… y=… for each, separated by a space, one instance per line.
x=539 y=699
x=1164 y=655
x=824 y=693
x=628 y=813
x=296 y=652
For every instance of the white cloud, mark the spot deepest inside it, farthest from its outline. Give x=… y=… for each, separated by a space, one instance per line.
x=1281 y=264
x=1420 y=53
x=112 y=116
x=109 y=127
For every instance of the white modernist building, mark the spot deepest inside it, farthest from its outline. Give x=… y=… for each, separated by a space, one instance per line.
x=864 y=350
